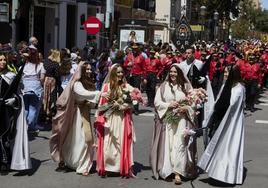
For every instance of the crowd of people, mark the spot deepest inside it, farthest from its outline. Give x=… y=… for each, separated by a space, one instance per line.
x=204 y=88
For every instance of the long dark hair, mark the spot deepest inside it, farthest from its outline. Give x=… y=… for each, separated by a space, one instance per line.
x=65 y=66
x=86 y=79
x=5 y=69
x=223 y=102
x=180 y=80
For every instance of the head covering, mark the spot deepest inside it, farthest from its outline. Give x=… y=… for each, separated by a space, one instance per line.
x=134 y=46
x=152 y=51
x=188 y=86
x=107 y=78
x=62 y=121
x=74 y=56
x=32 y=47
x=223 y=101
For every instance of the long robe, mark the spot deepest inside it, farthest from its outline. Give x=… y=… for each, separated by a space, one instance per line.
x=223 y=157
x=75 y=147
x=21 y=151
x=116 y=137
x=17 y=150
x=78 y=146
x=172 y=151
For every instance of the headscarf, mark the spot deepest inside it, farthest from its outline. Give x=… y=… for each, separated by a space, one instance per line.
x=187 y=85
x=63 y=120
x=107 y=78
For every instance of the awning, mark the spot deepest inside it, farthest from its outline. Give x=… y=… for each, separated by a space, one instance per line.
x=141 y=23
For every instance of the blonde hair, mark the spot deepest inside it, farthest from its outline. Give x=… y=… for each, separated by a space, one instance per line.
x=115 y=86
x=54 y=56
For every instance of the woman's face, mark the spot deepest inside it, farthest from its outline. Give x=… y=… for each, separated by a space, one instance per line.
x=88 y=69
x=226 y=73
x=119 y=74
x=173 y=74
x=3 y=62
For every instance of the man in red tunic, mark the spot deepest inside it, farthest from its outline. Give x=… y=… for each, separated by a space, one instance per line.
x=253 y=79
x=136 y=67
x=152 y=70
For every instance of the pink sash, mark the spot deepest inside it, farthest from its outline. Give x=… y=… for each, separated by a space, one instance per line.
x=125 y=158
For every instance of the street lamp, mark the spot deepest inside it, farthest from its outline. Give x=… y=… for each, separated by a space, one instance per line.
x=203 y=14
x=151 y=8
x=216 y=18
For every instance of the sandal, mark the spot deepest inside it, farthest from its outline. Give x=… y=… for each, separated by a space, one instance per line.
x=177 y=179
x=61 y=166
x=85 y=173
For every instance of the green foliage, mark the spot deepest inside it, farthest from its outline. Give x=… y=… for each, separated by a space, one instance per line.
x=250 y=21
x=222 y=6
x=262 y=21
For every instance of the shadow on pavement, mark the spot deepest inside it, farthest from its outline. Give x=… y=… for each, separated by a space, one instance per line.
x=215 y=183
x=35 y=166
x=138 y=167
x=141 y=111
x=245 y=171
x=33 y=136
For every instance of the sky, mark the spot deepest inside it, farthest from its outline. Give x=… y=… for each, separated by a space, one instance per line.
x=265 y=4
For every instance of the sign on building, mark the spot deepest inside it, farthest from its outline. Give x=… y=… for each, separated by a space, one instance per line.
x=4 y=12
x=183 y=36
x=124 y=37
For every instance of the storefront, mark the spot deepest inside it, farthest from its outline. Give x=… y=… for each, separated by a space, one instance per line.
x=144 y=29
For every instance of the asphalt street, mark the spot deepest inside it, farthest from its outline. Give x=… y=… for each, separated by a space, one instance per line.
x=43 y=174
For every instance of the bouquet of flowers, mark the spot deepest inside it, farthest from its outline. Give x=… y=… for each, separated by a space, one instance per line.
x=127 y=97
x=137 y=97
x=186 y=108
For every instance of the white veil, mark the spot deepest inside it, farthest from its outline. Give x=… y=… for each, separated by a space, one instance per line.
x=188 y=86
x=107 y=78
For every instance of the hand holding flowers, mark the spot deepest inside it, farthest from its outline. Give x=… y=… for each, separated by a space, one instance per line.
x=186 y=108
x=122 y=103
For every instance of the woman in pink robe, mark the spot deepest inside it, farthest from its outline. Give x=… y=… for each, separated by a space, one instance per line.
x=115 y=132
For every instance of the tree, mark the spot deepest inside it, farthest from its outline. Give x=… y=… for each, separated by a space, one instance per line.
x=250 y=21
x=223 y=7
x=262 y=21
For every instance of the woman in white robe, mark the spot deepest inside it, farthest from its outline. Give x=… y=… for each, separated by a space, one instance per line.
x=116 y=134
x=15 y=149
x=72 y=140
x=172 y=152
x=223 y=157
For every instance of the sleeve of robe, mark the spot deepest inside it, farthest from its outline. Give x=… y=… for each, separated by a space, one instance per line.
x=160 y=105
x=83 y=94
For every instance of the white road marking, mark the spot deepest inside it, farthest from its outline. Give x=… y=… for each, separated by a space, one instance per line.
x=263 y=100
x=146 y=114
x=263 y=104
x=92 y=25
x=261 y=121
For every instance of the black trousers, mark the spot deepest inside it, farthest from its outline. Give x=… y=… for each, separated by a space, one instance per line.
x=251 y=93
x=150 y=87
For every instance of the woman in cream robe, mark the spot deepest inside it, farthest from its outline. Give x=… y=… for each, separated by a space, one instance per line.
x=115 y=132
x=172 y=151
x=72 y=141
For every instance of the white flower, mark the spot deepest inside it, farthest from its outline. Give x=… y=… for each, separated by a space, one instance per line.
x=135 y=102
